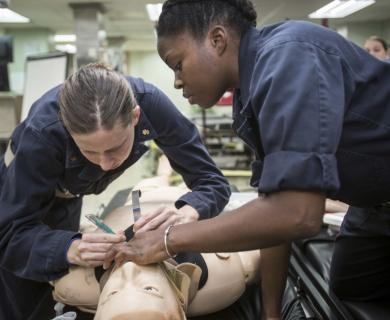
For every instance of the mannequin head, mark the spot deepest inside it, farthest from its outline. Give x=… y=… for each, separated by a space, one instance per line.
x=138 y=292
x=78 y=288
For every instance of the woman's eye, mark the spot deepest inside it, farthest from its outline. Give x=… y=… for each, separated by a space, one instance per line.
x=177 y=67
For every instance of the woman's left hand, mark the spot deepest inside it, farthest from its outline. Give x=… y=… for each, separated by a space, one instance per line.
x=162 y=217
x=144 y=248
x=147 y=245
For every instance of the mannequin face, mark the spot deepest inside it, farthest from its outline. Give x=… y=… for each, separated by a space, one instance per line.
x=138 y=292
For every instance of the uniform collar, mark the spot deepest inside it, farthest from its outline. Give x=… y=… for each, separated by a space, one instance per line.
x=249 y=45
x=73 y=156
x=144 y=130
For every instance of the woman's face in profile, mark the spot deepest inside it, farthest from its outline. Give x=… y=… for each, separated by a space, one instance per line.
x=196 y=66
x=376 y=49
x=138 y=292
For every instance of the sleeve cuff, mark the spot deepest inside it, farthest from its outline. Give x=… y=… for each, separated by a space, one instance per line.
x=191 y=199
x=59 y=263
x=288 y=170
x=75 y=237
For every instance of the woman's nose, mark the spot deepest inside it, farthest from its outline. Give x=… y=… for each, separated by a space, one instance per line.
x=178 y=84
x=106 y=162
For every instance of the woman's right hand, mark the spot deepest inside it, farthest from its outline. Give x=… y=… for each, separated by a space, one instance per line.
x=91 y=249
x=144 y=248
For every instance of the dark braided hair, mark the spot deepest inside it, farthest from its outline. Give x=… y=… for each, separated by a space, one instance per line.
x=196 y=16
x=95 y=97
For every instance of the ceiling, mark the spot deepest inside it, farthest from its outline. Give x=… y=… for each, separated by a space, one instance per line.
x=128 y=18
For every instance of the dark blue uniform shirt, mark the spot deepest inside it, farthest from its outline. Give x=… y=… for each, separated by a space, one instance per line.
x=315 y=108
x=36 y=227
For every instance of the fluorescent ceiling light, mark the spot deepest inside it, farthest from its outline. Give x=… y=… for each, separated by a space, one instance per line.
x=65 y=38
x=9 y=16
x=154 y=11
x=340 y=8
x=69 y=48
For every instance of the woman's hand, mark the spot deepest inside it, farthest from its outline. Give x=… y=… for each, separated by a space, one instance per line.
x=144 y=248
x=147 y=245
x=162 y=217
x=91 y=249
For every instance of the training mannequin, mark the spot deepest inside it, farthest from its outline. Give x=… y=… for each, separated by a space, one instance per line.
x=131 y=291
x=228 y=273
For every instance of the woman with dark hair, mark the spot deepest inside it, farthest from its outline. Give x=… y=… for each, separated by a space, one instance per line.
x=315 y=109
x=377 y=47
x=78 y=138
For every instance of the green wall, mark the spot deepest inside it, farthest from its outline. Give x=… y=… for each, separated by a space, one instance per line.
x=386 y=30
x=359 y=32
x=26 y=42
x=148 y=66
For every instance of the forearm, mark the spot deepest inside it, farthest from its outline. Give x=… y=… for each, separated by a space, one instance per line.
x=261 y=223
x=273 y=270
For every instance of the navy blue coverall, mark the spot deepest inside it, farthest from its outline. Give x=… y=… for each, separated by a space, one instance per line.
x=36 y=227
x=315 y=108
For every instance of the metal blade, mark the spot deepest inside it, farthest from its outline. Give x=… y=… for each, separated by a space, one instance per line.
x=136 y=207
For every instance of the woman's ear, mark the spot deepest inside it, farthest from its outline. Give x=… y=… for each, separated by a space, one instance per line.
x=218 y=36
x=135 y=115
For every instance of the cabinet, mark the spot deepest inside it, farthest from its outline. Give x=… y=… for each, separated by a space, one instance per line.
x=10 y=108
